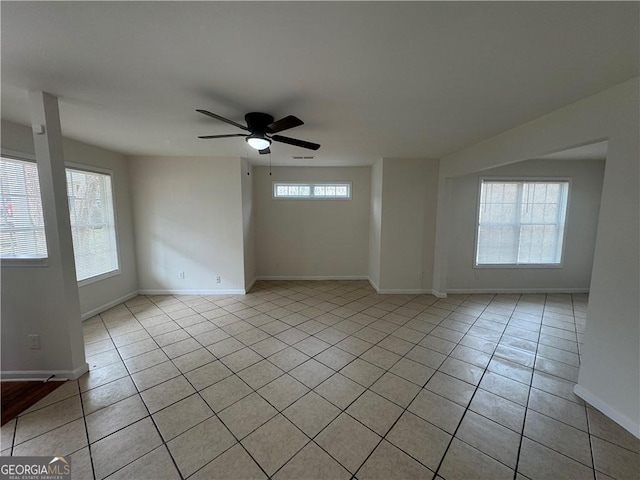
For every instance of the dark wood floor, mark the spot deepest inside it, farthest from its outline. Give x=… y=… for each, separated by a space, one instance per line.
x=16 y=397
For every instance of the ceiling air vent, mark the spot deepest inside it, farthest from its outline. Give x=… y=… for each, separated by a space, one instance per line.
x=303 y=158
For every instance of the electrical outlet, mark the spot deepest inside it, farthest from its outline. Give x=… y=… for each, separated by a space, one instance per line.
x=181 y=275
x=218 y=280
x=34 y=342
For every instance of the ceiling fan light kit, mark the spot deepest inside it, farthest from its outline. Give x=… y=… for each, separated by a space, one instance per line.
x=260 y=126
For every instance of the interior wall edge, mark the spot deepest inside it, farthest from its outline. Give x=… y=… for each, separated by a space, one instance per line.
x=103 y=308
x=601 y=405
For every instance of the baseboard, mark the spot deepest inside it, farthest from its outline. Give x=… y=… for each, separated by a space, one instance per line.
x=373 y=284
x=235 y=291
x=251 y=284
x=405 y=291
x=42 y=375
x=311 y=277
x=458 y=291
x=102 y=308
x=621 y=419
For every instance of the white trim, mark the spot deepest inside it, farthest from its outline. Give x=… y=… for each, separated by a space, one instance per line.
x=401 y=291
x=95 y=311
x=239 y=291
x=625 y=422
x=373 y=284
x=35 y=375
x=457 y=291
x=251 y=284
x=311 y=277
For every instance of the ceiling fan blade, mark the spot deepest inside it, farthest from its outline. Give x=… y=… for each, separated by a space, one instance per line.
x=296 y=142
x=223 y=136
x=218 y=117
x=284 y=124
x=264 y=151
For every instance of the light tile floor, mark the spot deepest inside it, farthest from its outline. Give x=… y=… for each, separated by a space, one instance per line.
x=330 y=380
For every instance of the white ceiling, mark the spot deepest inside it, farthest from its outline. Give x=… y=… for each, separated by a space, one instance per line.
x=370 y=79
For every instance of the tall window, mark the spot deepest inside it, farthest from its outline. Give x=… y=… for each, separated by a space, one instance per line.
x=341 y=190
x=521 y=222
x=92 y=223
x=21 y=221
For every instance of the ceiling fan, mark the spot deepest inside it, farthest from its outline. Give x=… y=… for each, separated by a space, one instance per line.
x=261 y=128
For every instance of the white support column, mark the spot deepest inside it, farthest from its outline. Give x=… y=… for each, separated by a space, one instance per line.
x=65 y=315
x=441 y=255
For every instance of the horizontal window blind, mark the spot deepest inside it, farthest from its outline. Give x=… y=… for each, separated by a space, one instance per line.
x=312 y=190
x=521 y=222
x=22 y=233
x=92 y=223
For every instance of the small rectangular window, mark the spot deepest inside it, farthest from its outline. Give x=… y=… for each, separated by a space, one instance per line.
x=92 y=223
x=22 y=234
x=521 y=222
x=333 y=190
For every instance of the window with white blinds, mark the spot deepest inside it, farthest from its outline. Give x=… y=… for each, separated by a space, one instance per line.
x=92 y=223
x=341 y=190
x=521 y=222
x=22 y=233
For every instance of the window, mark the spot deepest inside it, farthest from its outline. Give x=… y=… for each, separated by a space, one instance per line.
x=340 y=190
x=22 y=233
x=92 y=223
x=521 y=222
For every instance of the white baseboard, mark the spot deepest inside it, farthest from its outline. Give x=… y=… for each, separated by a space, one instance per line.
x=373 y=284
x=458 y=291
x=251 y=284
x=41 y=375
x=311 y=277
x=625 y=422
x=235 y=291
x=102 y=308
x=405 y=291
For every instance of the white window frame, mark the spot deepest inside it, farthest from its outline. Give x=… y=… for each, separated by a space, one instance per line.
x=102 y=171
x=560 y=264
x=311 y=185
x=25 y=262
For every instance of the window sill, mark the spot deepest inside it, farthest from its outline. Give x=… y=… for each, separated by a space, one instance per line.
x=24 y=262
x=98 y=278
x=520 y=265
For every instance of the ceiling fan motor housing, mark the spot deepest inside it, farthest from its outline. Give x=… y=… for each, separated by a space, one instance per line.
x=257 y=122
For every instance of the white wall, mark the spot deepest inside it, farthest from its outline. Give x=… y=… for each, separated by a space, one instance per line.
x=375 y=223
x=610 y=372
x=582 y=222
x=99 y=295
x=248 y=224
x=312 y=238
x=188 y=218
x=408 y=216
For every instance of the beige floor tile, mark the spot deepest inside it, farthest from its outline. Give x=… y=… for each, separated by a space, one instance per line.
x=181 y=416
x=498 y=409
x=259 y=374
x=505 y=387
x=395 y=388
x=47 y=418
x=156 y=465
x=426 y=357
x=288 y=359
x=380 y=357
x=146 y=360
x=63 y=440
x=268 y=347
x=555 y=385
x=311 y=413
x=155 y=375
x=196 y=447
x=137 y=348
x=311 y=346
x=362 y=372
x=193 y=360
x=374 y=411
x=340 y=390
x=163 y=395
x=103 y=359
x=412 y=371
x=437 y=410
x=225 y=347
x=462 y=370
x=66 y=390
x=222 y=394
x=511 y=370
x=114 y=417
x=283 y=391
x=559 y=369
x=251 y=337
x=538 y=462
x=335 y=358
x=559 y=436
x=123 y=447
x=210 y=337
x=388 y=462
x=101 y=346
x=438 y=344
x=7 y=432
x=207 y=375
x=234 y=464
x=423 y=441
x=311 y=373
x=348 y=441
x=181 y=348
x=274 y=443
x=131 y=337
x=463 y=462
x=312 y=462
x=105 y=395
x=490 y=437
x=241 y=359
x=246 y=415
x=615 y=461
x=100 y=376
x=608 y=430
x=451 y=388
x=558 y=408
x=81 y=465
